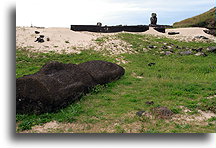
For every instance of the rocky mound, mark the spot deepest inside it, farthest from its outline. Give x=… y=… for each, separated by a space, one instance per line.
x=57 y=85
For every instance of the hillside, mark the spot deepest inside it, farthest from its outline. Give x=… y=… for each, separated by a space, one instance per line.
x=206 y=20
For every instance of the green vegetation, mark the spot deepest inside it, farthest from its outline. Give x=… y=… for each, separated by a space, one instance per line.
x=206 y=19
x=172 y=82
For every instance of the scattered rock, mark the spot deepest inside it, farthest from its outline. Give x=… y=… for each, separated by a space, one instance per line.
x=57 y=85
x=177 y=47
x=164 y=47
x=162 y=112
x=41 y=36
x=39 y=40
x=151 y=46
x=211 y=31
x=197 y=50
x=211 y=49
x=166 y=53
x=173 y=33
x=201 y=37
x=37 y=32
x=200 y=54
x=169 y=47
x=48 y=39
x=140 y=113
x=151 y=64
x=185 y=53
x=149 y=102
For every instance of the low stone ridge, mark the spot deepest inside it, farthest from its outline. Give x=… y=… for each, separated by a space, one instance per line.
x=57 y=85
x=173 y=33
x=109 y=29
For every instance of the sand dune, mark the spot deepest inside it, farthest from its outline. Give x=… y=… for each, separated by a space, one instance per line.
x=66 y=40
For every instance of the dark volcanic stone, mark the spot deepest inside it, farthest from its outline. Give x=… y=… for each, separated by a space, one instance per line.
x=201 y=37
x=55 y=86
x=149 y=102
x=37 y=32
x=197 y=50
x=160 y=29
x=151 y=64
x=211 y=49
x=39 y=40
x=211 y=31
x=173 y=33
x=41 y=36
x=139 y=113
x=103 y=72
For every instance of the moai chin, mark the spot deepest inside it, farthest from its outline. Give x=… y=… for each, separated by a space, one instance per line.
x=153 y=19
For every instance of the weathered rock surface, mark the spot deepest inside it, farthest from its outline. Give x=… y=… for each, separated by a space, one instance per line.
x=102 y=72
x=211 y=49
x=57 y=85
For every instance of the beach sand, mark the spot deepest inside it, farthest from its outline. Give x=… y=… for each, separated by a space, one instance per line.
x=66 y=40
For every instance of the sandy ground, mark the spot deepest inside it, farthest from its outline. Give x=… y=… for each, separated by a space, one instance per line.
x=66 y=40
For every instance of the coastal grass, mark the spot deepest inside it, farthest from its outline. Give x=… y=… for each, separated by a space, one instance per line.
x=173 y=81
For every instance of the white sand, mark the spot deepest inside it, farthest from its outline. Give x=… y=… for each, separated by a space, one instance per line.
x=186 y=34
x=64 y=39
x=61 y=39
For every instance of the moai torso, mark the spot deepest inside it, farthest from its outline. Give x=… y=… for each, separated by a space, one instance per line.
x=153 y=19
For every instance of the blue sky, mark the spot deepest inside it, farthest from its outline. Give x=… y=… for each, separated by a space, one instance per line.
x=63 y=13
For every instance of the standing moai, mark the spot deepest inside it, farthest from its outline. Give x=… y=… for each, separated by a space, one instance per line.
x=99 y=24
x=153 y=19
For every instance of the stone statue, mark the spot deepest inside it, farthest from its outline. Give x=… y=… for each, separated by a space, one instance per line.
x=99 y=24
x=153 y=19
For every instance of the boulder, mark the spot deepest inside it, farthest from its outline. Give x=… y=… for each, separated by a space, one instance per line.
x=211 y=49
x=57 y=85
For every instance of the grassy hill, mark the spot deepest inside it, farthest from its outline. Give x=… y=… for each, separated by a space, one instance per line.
x=206 y=20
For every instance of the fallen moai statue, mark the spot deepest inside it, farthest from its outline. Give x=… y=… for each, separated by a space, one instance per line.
x=57 y=85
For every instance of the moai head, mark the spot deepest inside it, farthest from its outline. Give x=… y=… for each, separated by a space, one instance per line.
x=153 y=19
x=99 y=24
